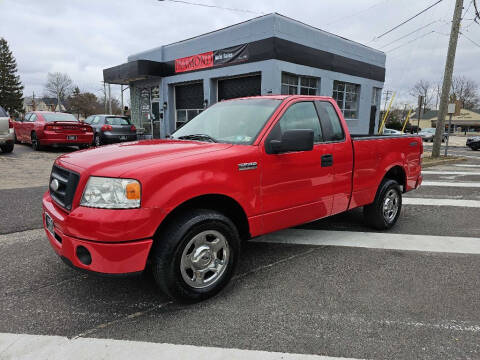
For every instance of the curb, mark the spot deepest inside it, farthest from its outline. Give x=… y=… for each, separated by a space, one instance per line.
x=442 y=162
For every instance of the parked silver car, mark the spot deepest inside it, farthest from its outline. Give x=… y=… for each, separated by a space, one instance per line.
x=6 y=132
x=429 y=134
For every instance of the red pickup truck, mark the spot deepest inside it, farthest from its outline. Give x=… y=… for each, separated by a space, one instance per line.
x=45 y=128
x=240 y=169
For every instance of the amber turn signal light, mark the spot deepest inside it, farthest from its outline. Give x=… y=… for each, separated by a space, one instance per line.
x=133 y=191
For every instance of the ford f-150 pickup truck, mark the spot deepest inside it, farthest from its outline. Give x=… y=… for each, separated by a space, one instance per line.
x=242 y=168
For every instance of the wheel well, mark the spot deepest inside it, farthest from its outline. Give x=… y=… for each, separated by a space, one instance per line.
x=224 y=204
x=397 y=173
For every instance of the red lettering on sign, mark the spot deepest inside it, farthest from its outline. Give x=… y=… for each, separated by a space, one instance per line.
x=195 y=62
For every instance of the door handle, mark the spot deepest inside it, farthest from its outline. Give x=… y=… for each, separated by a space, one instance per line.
x=327 y=160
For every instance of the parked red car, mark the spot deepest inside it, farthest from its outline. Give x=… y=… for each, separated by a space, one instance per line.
x=240 y=169
x=44 y=128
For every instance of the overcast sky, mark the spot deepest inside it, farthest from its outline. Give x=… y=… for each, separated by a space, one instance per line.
x=82 y=37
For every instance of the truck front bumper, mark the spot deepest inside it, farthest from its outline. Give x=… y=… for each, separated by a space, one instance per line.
x=102 y=257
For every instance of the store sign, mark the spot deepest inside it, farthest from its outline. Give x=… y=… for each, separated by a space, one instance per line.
x=210 y=59
x=195 y=62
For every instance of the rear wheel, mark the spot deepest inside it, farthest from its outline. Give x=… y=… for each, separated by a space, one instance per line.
x=15 y=138
x=7 y=148
x=383 y=213
x=35 y=142
x=195 y=255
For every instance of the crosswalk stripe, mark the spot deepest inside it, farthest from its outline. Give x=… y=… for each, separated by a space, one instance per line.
x=431 y=172
x=452 y=184
x=468 y=165
x=373 y=240
x=441 y=202
x=26 y=347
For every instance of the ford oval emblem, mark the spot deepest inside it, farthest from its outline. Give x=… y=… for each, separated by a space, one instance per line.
x=54 y=185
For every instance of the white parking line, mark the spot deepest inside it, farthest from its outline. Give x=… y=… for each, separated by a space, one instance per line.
x=372 y=240
x=468 y=165
x=441 y=202
x=452 y=184
x=38 y=347
x=431 y=172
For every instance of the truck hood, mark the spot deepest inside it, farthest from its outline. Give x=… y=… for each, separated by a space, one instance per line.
x=112 y=157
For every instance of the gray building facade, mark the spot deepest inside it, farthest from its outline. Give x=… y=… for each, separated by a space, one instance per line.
x=271 y=54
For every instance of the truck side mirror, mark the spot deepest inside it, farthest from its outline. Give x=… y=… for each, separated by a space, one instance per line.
x=293 y=140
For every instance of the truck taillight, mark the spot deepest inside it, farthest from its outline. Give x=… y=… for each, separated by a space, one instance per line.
x=52 y=128
x=106 y=127
x=133 y=128
x=10 y=123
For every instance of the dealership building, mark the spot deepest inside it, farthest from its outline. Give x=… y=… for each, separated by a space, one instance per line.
x=271 y=54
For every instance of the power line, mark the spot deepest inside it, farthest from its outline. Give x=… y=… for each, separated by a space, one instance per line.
x=213 y=6
x=411 y=41
x=406 y=21
x=410 y=33
x=466 y=37
x=356 y=13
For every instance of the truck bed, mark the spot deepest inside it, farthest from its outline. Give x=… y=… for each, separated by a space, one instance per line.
x=375 y=155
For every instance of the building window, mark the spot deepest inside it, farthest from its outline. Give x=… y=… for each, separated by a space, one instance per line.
x=376 y=96
x=185 y=115
x=303 y=85
x=346 y=95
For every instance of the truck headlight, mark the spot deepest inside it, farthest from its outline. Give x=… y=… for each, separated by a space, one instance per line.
x=111 y=193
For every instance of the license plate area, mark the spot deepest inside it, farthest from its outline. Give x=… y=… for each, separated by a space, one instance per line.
x=71 y=137
x=49 y=224
x=123 y=138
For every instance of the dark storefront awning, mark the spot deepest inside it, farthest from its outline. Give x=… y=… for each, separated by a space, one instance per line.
x=133 y=71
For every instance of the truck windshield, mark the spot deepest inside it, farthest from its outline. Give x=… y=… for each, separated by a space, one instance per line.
x=233 y=121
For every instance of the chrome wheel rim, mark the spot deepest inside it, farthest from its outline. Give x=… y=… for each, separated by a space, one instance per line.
x=204 y=259
x=391 y=204
x=97 y=141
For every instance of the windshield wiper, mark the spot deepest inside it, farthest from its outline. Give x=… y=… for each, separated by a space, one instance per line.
x=198 y=137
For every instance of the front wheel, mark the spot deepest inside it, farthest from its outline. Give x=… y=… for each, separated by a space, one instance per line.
x=383 y=213
x=7 y=148
x=195 y=256
x=97 y=141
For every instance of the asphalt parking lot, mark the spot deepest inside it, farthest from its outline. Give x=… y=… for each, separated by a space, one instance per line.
x=331 y=288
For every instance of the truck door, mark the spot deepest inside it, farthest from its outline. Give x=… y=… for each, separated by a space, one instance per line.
x=342 y=153
x=296 y=187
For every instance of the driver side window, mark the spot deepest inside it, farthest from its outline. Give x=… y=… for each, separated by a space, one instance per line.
x=302 y=115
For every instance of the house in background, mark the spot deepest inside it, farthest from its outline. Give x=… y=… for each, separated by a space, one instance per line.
x=41 y=104
x=468 y=120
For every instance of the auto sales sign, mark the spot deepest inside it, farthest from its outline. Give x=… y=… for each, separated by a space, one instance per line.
x=210 y=59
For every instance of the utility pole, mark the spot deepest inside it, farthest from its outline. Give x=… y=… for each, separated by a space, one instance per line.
x=109 y=100
x=387 y=97
x=121 y=104
x=447 y=77
x=105 y=97
x=419 y=115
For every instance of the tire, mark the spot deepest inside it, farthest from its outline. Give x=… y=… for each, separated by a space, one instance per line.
x=174 y=263
x=374 y=214
x=35 y=143
x=97 y=141
x=15 y=140
x=7 y=148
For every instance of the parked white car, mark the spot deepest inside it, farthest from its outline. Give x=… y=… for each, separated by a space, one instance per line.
x=6 y=132
x=391 y=132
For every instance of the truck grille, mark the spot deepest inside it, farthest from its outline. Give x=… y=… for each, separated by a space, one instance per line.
x=67 y=185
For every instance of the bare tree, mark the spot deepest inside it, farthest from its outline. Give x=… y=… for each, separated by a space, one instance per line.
x=465 y=90
x=59 y=85
x=425 y=89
